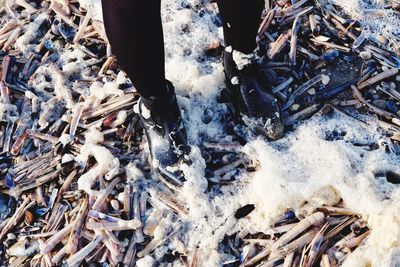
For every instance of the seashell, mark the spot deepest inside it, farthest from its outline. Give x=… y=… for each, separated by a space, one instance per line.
x=365 y=55
x=29 y=217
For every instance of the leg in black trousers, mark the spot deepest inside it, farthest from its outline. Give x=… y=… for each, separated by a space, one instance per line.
x=241 y=19
x=134 y=30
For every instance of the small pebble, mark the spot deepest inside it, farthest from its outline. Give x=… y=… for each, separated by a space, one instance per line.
x=294 y=107
x=325 y=79
x=365 y=55
x=398 y=78
x=235 y=80
x=121 y=197
x=54 y=27
x=382 y=39
x=380 y=103
x=114 y=204
x=11 y=236
x=391 y=106
x=311 y=91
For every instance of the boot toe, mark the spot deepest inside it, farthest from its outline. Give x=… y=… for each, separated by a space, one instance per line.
x=166 y=138
x=271 y=128
x=275 y=130
x=166 y=160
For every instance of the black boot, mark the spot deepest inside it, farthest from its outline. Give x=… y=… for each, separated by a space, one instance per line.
x=247 y=87
x=166 y=136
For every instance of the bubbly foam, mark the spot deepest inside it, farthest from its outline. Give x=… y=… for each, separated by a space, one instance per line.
x=386 y=24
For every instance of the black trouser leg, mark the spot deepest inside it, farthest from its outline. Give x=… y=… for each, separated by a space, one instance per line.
x=135 y=32
x=134 y=29
x=241 y=19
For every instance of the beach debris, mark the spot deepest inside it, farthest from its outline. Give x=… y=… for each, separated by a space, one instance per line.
x=76 y=186
x=319 y=238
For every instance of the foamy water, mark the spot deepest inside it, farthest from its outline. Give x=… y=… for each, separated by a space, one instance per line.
x=303 y=166
x=386 y=23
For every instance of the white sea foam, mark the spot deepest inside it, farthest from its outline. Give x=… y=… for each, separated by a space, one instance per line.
x=386 y=24
x=94 y=7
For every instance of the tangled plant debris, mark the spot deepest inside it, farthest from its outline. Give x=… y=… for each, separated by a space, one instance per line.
x=76 y=183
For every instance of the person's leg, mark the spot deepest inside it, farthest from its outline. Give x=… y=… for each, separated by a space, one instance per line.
x=246 y=83
x=134 y=30
x=241 y=19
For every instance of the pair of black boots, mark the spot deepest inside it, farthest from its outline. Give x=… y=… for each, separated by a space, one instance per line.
x=166 y=133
